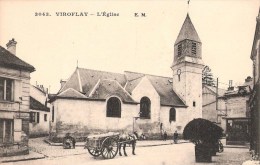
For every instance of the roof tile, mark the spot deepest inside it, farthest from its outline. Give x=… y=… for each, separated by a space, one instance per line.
x=7 y=59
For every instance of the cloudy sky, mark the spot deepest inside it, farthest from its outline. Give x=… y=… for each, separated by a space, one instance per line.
x=53 y=44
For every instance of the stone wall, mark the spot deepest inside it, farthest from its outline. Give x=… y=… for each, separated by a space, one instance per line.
x=146 y=89
x=41 y=128
x=83 y=117
x=237 y=106
x=16 y=110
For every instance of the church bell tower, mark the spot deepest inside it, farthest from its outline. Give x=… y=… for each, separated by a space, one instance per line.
x=187 y=68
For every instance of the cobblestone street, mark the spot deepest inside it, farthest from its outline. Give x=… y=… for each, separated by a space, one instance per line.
x=148 y=152
x=39 y=146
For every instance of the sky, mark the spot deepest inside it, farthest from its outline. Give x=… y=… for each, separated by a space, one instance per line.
x=56 y=45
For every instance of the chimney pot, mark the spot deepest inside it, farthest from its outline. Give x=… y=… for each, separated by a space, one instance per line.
x=11 y=46
x=231 y=88
x=62 y=82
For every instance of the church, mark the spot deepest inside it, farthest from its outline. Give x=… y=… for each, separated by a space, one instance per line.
x=93 y=101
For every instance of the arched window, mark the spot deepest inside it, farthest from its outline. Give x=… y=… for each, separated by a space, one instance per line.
x=172 y=116
x=113 y=107
x=145 y=108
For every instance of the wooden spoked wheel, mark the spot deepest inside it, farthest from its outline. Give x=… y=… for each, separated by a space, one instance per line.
x=94 y=152
x=109 y=148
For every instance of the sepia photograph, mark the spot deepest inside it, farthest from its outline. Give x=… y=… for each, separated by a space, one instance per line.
x=158 y=82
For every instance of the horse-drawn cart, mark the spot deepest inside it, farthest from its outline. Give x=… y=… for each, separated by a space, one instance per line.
x=103 y=144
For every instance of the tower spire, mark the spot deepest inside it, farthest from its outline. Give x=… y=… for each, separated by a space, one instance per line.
x=188 y=2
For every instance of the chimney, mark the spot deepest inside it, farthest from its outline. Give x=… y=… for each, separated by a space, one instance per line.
x=11 y=46
x=230 y=88
x=62 y=83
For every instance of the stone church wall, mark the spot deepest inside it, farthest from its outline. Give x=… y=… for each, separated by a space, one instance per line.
x=84 y=117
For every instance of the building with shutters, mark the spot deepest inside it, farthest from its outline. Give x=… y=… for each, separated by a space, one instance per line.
x=14 y=101
x=39 y=111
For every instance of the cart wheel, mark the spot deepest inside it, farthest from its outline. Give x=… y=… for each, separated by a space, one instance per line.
x=109 y=148
x=94 y=152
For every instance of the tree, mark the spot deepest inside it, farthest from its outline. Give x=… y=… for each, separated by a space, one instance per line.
x=205 y=135
x=207 y=76
x=202 y=131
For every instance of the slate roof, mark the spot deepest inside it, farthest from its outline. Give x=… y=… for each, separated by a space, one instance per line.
x=187 y=31
x=241 y=91
x=70 y=92
x=133 y=80
x=107 y=88
x=36 y=105
x=89 y=78
x=99 y=85
x=7 y=59
x=163 y=85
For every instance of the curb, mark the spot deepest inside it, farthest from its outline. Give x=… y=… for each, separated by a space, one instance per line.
x=18 y=160
x=38 y=156
x=60 y=144
x=231 y=146
x=82 y=145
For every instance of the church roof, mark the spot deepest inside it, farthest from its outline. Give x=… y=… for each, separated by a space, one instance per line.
x=99 y=85
x=70 y=92
x=107 y=88
x=162 y=85
x=7 y=59
x=187 y=31
x=133 y=80
x=96 y=85
x=89 y=78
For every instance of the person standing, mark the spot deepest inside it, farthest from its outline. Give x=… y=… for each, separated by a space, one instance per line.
x=175 y=137
x=165 y=136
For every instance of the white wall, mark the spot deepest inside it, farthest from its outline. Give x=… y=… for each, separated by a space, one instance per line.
x=41 y=128
x=189 y=88
x=37 y=94
x=146 y=89
x=179 y=124
x=89 y=116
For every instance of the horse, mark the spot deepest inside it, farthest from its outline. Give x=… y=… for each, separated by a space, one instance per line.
x=127 y=139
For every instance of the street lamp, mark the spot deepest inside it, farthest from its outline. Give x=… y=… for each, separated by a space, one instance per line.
x=134 y=119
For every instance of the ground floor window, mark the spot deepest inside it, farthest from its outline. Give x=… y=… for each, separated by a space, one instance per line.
x=145 y=108
x=45 y=117
x=6 y=130
x=34 y=117
x=113 y=107
x=237 y=130
x=172 y=115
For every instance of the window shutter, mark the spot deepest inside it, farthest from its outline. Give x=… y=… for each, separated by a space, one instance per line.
x=17 y=90
x=38 y=117
x=17 y=130
x=31 y=117
x=52 y=114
